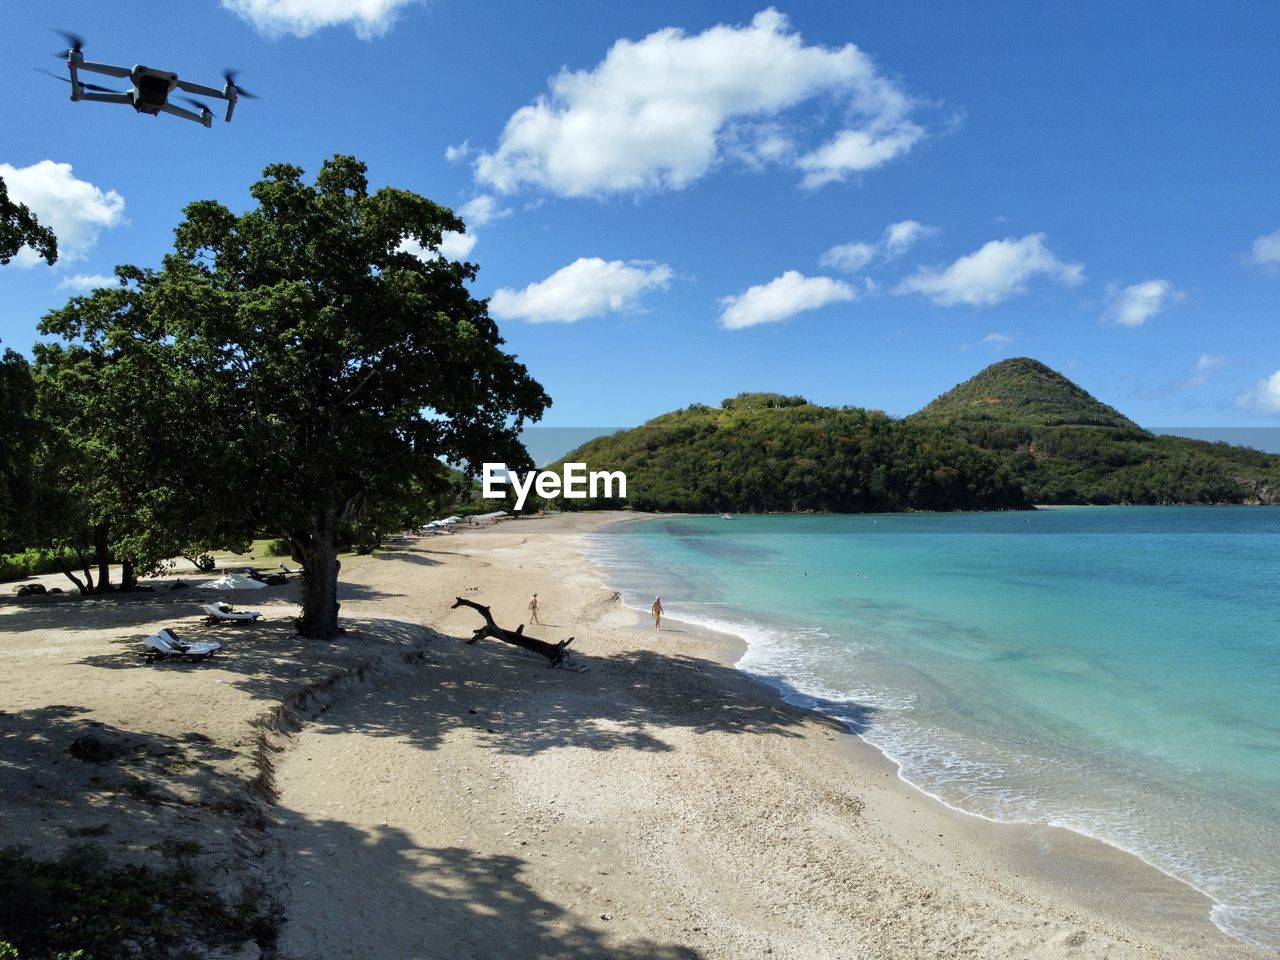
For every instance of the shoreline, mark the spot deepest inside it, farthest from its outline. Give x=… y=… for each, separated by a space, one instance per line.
x=664 y=805
x=736 y=647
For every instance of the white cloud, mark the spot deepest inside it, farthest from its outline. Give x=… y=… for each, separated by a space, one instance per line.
x=369 y=18
x=453 y=154
x=75 y=210
x=1203 y=369
x=850 y=257
x=453 y=246
x=588 y=287
x=902 y=236
x=782 y=298
x=995 y=342
x=1135 y=305
x=89 y=281
x=456 y=246
x=1266 y=251
x=1263 y=396
x=896 y=240
x=659 y=112
x=992 y=274
x=480 y=210
x=856 y=151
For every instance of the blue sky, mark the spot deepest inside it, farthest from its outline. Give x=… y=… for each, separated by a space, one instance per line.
x=862 y=203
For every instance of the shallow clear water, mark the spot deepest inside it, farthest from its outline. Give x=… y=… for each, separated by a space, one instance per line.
x=1111 y=670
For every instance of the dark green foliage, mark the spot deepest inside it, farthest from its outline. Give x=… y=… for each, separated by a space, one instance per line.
x=19 y=228
x=758 y=455
x=17 y=448
x=82 y=902
x=278 y=548
x=33 y=562
x=1015 y=434
x=120 y=421
x=759 y=401
x=1066 y=447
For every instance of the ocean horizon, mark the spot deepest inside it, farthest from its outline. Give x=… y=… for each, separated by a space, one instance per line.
x=1111 y=670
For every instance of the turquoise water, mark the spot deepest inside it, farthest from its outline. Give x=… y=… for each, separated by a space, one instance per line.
x=1115 y=670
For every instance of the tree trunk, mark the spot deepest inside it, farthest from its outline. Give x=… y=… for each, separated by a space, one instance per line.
x=317 y=551
x=66 y=572
x=557 y=653
x=128 y=579
x=104 y=558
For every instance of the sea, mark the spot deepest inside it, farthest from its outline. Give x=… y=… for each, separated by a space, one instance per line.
x=1111 y=670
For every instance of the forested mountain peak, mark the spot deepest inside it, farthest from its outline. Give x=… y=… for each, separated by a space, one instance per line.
x=1024 y=391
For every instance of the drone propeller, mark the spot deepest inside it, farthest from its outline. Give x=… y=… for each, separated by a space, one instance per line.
x=229 y=75
x=197 y=104
x=76 y=42
x=88 y=86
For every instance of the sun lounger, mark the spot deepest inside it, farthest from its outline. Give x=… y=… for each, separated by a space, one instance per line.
x=299 y=572
x=166 y=645
x=222 y=613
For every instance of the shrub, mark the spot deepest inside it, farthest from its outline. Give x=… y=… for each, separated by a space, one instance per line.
x=32 y=562
x=82 y=903
x=278 y=548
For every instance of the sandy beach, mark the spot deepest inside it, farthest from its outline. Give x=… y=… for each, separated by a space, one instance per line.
x=402 y=794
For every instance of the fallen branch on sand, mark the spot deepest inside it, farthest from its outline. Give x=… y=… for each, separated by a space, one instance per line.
x=556 y=653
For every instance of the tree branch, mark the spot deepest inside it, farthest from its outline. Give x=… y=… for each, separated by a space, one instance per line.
x=556 y=653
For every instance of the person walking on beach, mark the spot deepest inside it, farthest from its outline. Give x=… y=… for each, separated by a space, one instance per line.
x=533 y=609
x=656 y=609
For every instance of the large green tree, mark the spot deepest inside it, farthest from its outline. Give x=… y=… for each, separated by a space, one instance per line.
x=336 y=369
x=120 y=419
x=19 y=228
x=17 y=445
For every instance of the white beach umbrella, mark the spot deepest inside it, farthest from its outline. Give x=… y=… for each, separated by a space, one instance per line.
x=233 y=581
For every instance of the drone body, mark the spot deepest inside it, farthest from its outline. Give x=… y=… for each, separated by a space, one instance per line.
x=151 y=88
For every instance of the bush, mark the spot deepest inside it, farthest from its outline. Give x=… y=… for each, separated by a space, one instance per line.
x=32 y=562
x=278 y=548
x=203 y=562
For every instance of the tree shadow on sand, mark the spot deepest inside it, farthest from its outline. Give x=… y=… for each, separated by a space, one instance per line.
x=416 y=557
x=517 y=706
x=269 y=660
x=506 y=695
x=432 y=903
x=74 y=772
x=72 y=613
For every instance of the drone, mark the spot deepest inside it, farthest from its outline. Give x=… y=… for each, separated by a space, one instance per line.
x=151 y=87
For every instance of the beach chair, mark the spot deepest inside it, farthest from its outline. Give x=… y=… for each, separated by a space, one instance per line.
x=166 y=645
x=299 y=572
x=222 y=613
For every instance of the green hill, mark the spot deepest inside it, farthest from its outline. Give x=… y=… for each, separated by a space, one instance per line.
x=1025 y=391
x=1065 y=446
x=1015 y=434
x=767 y=453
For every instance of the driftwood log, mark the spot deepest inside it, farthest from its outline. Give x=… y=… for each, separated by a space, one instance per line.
x=556 y=653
